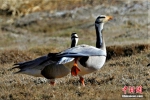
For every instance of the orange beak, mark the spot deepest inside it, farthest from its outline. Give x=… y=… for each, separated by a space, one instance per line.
x=109 y=18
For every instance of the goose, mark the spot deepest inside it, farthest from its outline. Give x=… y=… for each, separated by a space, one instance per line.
x=50 y=70
x=86 y=59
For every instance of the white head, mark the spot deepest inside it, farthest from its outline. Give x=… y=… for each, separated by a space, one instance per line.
x=103 y=19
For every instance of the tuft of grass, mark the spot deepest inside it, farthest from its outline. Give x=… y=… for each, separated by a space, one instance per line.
x=126 y=50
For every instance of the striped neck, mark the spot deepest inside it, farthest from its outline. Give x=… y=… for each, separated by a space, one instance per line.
x=100 y=40
x=74 y=39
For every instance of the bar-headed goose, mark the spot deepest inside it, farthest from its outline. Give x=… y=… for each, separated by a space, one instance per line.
x=49 y=70
x=87 y=58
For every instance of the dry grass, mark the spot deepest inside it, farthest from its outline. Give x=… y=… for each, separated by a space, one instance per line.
x=21 y=7
x=125 y=65
x=126 y=50
x=130 y=71
x=14 y=56
x=9 y=56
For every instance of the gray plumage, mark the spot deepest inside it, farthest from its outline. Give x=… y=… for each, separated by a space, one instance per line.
x=87 y=58
x=82 y=50
x=50 y=69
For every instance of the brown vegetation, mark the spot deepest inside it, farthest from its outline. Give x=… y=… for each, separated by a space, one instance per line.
x=107 y=83
x=14 y=56
x=126 y=50
x=35 y=34
x=21 y=7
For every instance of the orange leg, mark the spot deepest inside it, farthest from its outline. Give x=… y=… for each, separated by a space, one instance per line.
x=75 y=69
x=82 y=81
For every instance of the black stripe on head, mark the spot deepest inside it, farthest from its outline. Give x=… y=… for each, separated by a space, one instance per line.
x=98 y=19
x=74 y=35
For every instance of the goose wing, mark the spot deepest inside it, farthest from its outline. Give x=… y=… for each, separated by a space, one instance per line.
x=81 y=51
x=78 y=51
x=33 y=64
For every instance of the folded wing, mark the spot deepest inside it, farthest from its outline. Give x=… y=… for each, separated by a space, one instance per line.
x=81 y=51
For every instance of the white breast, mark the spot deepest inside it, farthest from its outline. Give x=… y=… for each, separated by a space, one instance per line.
x=95 y=62
x=92 y=64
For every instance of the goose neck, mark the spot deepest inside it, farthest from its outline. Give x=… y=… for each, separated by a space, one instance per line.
x=100 y=43
x=74 y=42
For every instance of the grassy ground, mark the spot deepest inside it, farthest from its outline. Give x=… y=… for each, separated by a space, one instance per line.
x=107 y=83
x=126 y=37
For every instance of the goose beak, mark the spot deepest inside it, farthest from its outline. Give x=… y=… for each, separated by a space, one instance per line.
x=109 y=18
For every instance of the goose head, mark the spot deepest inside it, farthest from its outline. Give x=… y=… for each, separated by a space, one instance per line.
x=74 y=36
x=103 y=19
x=99 y=22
